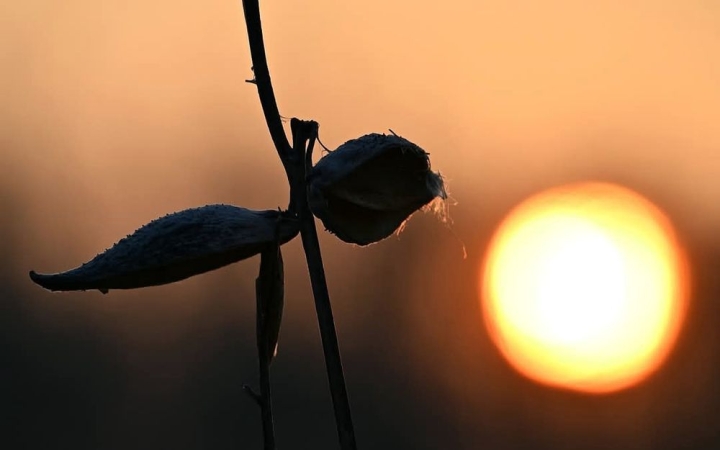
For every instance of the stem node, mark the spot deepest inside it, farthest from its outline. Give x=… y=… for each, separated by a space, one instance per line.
x=296 y=161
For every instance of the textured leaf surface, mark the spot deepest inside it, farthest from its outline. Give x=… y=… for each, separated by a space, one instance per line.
x=175 y=247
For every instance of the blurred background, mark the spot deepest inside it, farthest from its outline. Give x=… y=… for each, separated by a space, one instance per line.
x=117 y=112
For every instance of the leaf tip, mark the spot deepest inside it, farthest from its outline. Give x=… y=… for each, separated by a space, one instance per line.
x=42 y=280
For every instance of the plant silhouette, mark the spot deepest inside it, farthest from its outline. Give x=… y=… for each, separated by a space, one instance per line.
x=363 y=192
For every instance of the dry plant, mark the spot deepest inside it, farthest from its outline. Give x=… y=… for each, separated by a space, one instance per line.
x=363 y=192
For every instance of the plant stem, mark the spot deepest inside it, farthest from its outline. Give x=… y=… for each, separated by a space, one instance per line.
x=341 y=404
x=265 y=397
x=306 y=131
x=262 y=79
x=294 y=162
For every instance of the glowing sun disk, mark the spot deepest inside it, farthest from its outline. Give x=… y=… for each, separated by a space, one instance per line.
x=584 y=287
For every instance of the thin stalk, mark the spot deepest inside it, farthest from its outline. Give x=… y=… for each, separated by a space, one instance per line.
x=269 y=287
x=333 y=364
x=265 y=397
x=306 y=131
x=262 y=79
x=293 y=160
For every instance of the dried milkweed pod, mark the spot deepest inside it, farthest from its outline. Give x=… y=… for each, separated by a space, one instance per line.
x=175 y=247
x=365 y=189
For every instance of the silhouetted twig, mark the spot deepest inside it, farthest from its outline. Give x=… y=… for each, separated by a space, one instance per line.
x=295 y=160
x=363 y=191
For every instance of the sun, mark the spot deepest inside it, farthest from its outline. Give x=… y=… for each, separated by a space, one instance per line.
x=584 y=287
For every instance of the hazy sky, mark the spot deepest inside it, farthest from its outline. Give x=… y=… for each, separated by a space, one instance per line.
x=115 y=112
x=117 y=107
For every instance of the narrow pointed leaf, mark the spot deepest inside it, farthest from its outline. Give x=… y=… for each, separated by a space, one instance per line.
x=270 y=291
x=175 y=247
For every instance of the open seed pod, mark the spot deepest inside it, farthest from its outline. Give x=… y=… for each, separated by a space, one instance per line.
x=176 y=247
x=365 y=189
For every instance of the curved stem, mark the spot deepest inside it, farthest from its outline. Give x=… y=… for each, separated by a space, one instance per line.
x=262 y=79
x=294 y=161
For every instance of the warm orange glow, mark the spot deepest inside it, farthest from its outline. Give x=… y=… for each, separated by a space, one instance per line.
x=584 y=287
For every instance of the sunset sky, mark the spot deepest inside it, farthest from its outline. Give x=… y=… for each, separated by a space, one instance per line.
x=506 y=96
x=117 y=112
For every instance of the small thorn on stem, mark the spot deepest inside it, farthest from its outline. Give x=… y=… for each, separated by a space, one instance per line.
x=253 y=81
x=252 y=394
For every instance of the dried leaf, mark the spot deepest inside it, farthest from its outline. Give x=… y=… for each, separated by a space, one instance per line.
x=270 y=291
x=176 y=247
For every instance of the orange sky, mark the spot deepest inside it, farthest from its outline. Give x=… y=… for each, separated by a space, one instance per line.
x=123 y=110
x=116 y=112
